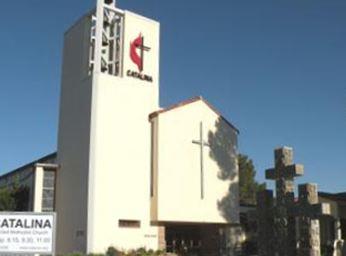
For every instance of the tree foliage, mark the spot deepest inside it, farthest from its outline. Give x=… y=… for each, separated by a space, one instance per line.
x=248 y=186
x=7 y=201
x=21 y=197
x=15 y=198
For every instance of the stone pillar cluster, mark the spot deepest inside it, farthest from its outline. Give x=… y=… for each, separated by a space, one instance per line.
x=286 y=226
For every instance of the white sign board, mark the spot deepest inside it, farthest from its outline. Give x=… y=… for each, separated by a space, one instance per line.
x=27 y=232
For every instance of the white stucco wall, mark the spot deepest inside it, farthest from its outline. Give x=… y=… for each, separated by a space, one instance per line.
x=104 y=145
x=73 y=141
x=120 y=155
x=177 y=181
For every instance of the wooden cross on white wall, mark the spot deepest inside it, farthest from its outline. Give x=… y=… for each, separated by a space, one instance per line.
x=202 y=144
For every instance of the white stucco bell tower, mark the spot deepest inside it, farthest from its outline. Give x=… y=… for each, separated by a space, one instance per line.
x=110 y=84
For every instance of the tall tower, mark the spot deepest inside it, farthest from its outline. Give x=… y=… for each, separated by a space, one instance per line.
x=110 y=84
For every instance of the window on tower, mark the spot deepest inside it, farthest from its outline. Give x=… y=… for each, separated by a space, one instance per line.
x=129 y=224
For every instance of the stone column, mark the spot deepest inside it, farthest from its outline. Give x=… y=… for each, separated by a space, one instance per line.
x=284 y=173
x=265 y=223
x=309 y=211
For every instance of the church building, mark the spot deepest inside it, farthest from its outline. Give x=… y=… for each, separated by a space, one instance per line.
x=128 y=173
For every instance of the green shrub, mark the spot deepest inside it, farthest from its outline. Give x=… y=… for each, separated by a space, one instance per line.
x=111 y=251
x=144 y=252
x=76 y=254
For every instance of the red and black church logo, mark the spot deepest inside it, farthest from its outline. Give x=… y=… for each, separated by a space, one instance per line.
x=137 y=50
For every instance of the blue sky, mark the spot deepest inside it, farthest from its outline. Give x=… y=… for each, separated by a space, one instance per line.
x=275 y=68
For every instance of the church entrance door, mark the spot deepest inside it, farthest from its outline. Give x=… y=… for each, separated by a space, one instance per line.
x=194 y=240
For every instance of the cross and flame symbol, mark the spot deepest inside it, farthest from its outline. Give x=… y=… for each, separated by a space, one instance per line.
x=138 y=59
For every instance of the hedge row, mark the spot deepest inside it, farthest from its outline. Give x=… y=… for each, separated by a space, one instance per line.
x=114 y=252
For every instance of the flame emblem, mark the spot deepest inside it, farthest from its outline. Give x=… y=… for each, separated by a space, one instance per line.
x=138 y=43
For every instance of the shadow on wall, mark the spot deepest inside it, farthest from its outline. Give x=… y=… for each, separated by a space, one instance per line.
x=223 y=150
